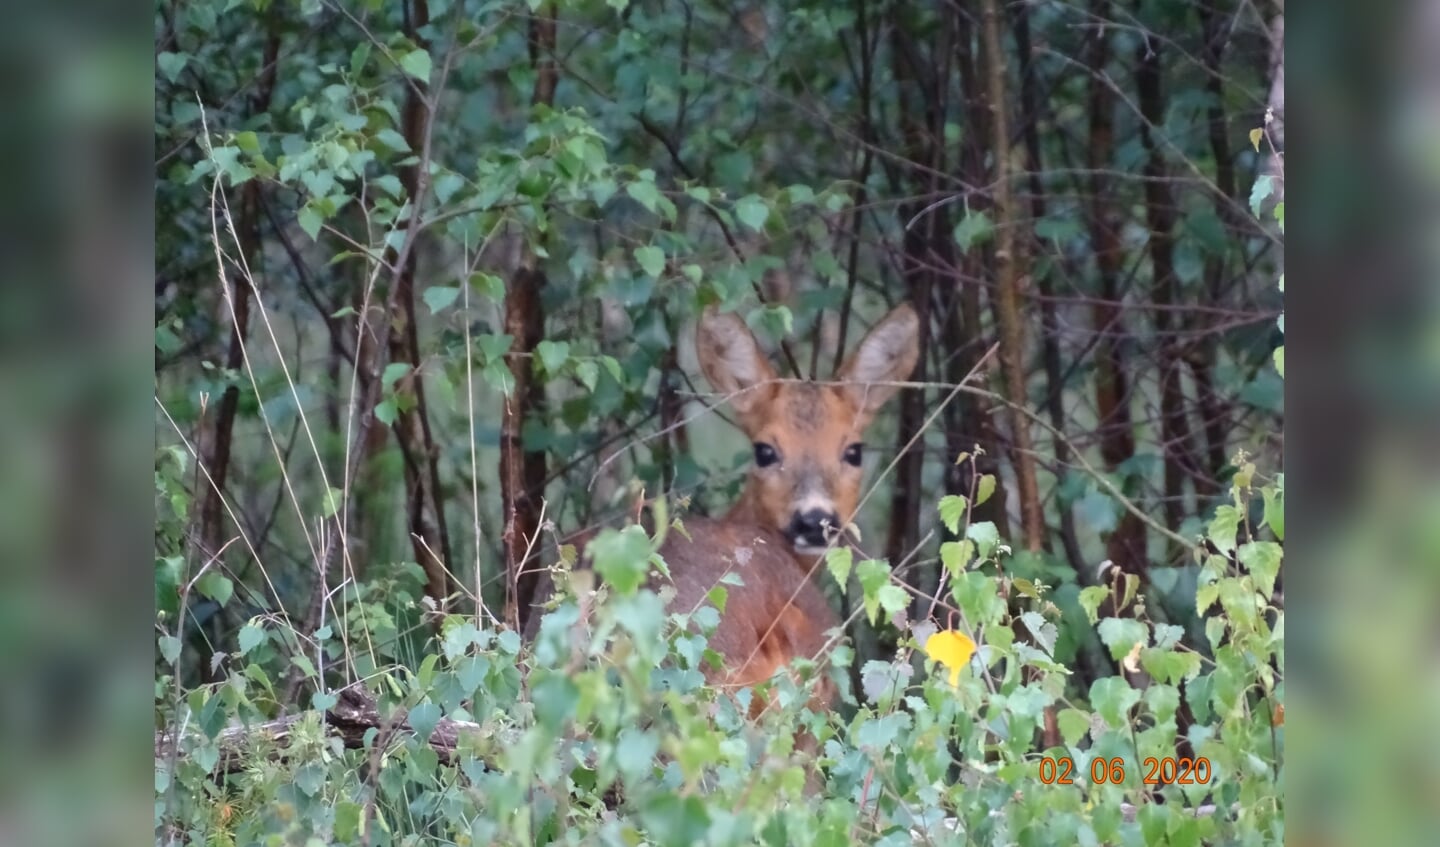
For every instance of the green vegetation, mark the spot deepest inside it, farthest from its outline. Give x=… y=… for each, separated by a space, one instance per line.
x=427 y=274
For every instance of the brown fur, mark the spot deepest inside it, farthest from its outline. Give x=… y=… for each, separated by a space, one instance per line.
x=777 y=613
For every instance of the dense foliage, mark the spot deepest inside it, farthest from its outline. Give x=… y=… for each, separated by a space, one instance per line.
x=426 y=276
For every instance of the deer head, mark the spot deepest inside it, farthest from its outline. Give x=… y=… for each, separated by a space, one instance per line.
x=807 y=436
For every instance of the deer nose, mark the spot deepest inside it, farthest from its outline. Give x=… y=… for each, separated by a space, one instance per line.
x=807 y=528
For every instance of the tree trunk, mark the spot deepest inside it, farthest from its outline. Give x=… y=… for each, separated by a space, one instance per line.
x=969 y=421
x=1115 y=427
x=1160 y=218
x=425 y=516
x=1049 y=323
x=1010 y=270
x=918 y=109
x=522 y=473
x=1205 y=350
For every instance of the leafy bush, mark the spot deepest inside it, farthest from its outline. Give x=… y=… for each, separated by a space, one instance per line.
x=603 y=731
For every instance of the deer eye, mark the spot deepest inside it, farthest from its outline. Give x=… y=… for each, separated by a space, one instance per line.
x=854 y=453
x=765 y=455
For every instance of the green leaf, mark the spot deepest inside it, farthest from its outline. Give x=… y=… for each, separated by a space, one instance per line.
x=892 y=598
x=169 y=648
x=635 y=751
x=358 y=57
x=494 y=347
x=651 y=260
x=1056 y=229
x=499 y=376
x=247 y=142
x=644 y=193
x=555 y=697
x=489 y=285
x=423 y=719
x=390 y=184
x=613 y=366
x=670 y=818
x=952 y=509
x=417 y=64
x=840 y=560
x=1073 y=725
x=1274 y=510
x=752 y=211
x=334 y=498
x=956 y=555
x=985 y=536
x=984 y=488
x=171 y=64
x=216 y=586
x=306 y=666
x=446 y=184
x=470 y=672
x=1280 y=360
x=553 y=355
x=1112 y=697
x=1169 y=666
x=1043 y=631
x=978 y=597
x=1098 y=510
x=622 y=557
x=601 y=190
x=588 y=373
x=1263 y=559
x=1164 y=700
x=874 y=574
x=251 y=635
x=974 y=228
x=777 y=320
x=438 y=297
x=1122 y=634
x=393 y=373
x=1091 y=598
x=1261 y=191
x=1224 y=528
x=310 y=221
x=393 y=140
x=386 y=412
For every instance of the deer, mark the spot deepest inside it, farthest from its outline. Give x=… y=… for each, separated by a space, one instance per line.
x=800 y=492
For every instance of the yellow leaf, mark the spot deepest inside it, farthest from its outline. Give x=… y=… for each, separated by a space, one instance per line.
x=1132 y=659
x=951 y=649
x=1255 y=136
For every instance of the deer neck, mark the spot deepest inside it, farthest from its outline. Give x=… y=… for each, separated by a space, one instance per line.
x=744 y=510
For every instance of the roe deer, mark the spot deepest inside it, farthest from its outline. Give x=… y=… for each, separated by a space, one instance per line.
x=800 y=492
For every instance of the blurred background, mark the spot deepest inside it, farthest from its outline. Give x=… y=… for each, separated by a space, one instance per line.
x=78 y=314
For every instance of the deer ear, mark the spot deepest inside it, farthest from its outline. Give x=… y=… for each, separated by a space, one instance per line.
x=731 y=359
x=887 y=354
